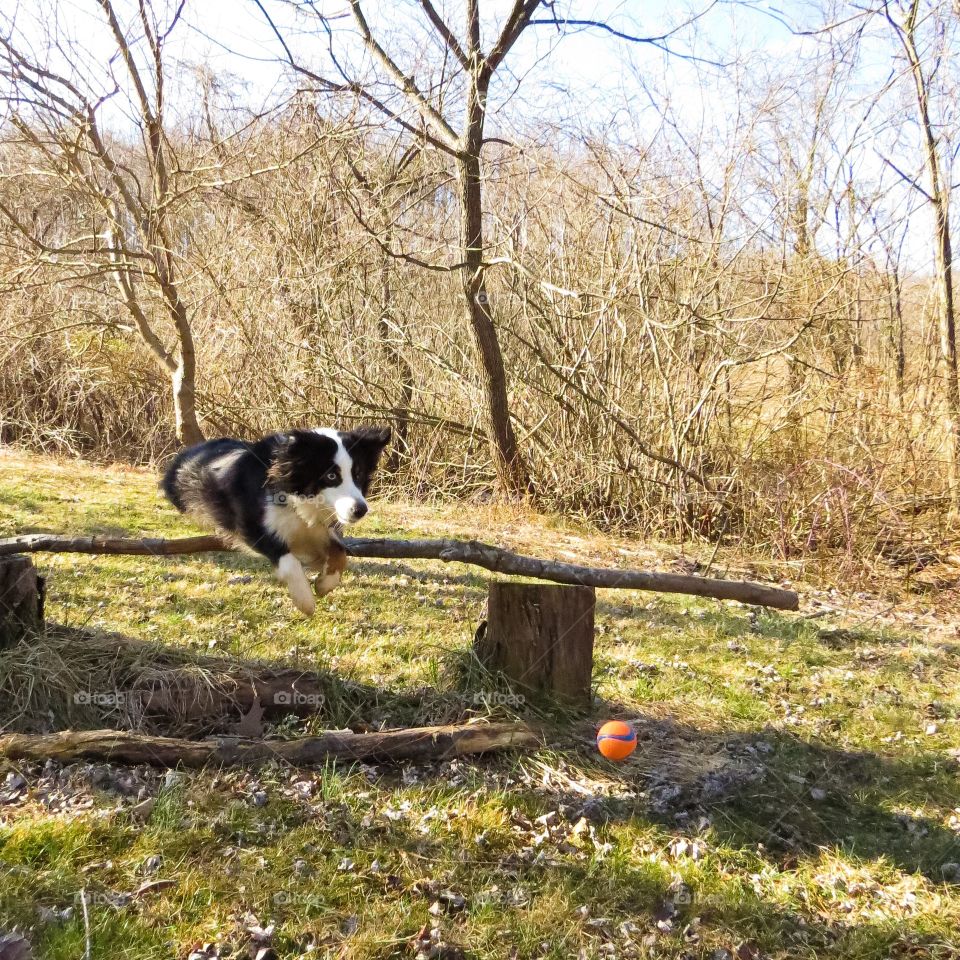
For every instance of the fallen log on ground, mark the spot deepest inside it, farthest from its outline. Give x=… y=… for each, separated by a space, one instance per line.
x=462 y=551
x=191 y=695
x=120 y=746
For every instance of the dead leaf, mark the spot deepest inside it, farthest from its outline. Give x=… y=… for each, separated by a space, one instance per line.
x=141 y=811
x=747 y=950
x=153 y=886
x=260 y=934
x=13 y=946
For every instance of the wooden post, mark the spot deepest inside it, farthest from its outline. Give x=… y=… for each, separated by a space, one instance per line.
x=541 y=637
x=21 y=599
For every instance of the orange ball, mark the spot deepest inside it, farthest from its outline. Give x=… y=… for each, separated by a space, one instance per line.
x=616 y=740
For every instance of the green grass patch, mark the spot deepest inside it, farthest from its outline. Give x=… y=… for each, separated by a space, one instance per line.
x=794 y=793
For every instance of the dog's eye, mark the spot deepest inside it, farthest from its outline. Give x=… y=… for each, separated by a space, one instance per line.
x=332 y=475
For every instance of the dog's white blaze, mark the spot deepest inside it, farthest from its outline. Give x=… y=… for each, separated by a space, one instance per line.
x=346 y=496
x=283 y=522
x=290 y=571
x=307 y=540
x=313 y=511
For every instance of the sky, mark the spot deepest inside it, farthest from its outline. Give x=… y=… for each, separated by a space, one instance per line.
x=569 y=80
x=585 y=68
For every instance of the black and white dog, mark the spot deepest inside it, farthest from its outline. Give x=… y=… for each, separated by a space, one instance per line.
x=283 y=497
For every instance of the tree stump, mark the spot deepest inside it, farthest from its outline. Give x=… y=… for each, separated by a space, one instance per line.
x=21 y=599
x=541 y=637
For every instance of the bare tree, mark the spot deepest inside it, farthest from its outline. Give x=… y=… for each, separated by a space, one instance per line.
x=723 y=311
x=428 y=112
x=56 y=99
x=924 y=32
x=433 y=126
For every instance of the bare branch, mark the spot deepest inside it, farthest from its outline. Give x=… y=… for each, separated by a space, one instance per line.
x=472 y=552
x=414 y=95
x=448 y=38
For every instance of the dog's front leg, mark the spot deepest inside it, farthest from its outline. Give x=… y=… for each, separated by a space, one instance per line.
x=290 y=571
x=334 y=564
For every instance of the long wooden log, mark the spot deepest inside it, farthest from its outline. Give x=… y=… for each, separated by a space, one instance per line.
x=134 y=546
x=462 y=551
x=121 y=746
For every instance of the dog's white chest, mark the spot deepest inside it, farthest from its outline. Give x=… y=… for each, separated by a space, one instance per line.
x=308 y=542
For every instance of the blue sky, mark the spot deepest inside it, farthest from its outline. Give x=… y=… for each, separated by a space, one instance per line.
x=585 y=69
x=589 y=64
x=574 y=79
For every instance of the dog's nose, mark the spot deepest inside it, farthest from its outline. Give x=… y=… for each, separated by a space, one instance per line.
x=359 y=511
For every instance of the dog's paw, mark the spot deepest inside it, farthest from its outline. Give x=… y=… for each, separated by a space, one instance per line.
x=306 y=605
x=326 y=583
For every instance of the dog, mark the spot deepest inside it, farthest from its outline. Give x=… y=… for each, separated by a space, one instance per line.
x=285 y=496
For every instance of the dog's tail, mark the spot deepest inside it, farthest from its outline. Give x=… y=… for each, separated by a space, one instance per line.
x=175 y=483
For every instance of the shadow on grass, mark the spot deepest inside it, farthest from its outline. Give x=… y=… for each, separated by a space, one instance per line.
x=768 y=793
x=774 y=793
x=373 y=569
x=78 y=678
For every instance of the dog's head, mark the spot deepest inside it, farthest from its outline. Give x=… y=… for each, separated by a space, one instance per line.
x=326 y=473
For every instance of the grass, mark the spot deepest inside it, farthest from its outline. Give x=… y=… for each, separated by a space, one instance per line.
x=794 y=794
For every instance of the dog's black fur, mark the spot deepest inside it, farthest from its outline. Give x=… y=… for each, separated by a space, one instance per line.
x=230 y=482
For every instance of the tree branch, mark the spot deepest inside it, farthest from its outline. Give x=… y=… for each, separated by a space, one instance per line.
x=448 y=38
x=410 y=90
x=357 y=89
x=472 y=552
x=516 y=23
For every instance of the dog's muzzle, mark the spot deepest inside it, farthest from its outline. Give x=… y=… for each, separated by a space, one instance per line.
x=350 y=510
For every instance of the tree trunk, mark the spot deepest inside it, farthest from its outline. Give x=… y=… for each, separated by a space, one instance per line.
x=541 y=637
x=401 y=412
x=896 y=329
x=510 y=467
x=942 y=249
x=948 y=339
x=183 y=382
x=21 y=600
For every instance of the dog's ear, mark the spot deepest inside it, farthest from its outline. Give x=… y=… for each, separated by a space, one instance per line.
x=371 y=436
x=366 y=444
x=292 y=468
